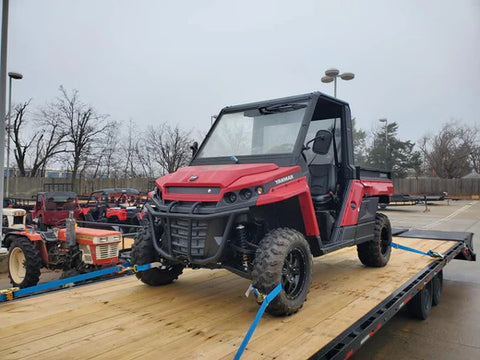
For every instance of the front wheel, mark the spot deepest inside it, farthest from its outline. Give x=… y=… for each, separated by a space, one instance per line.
x=143 y=253
x=283 y=256
x=376 y=252
x=24 y=263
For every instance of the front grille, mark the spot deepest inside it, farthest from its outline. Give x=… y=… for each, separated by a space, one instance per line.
x=183 y=231
x=107 y=251
x=17 y=220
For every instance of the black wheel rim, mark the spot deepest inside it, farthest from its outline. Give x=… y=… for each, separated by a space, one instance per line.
x=385 y=241
x=293 y=273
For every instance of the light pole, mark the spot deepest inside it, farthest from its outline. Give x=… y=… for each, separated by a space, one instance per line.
x=16 y=76
x=333 y=74
x=386 y=140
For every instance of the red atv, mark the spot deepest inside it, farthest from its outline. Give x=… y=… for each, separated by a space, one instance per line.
x=52 y=208
x=116 y=205
x=272 y=184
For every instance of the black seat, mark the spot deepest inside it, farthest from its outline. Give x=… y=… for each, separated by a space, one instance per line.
x=323 y=180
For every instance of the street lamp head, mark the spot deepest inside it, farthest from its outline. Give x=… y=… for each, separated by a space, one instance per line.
x=347 y=76
x=382 y=120
x=15 y=75
x=327 y=79
x=332 y=72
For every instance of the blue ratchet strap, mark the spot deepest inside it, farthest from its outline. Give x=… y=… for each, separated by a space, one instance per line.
x=272 y=295
x=57 y=283
x=430 y=253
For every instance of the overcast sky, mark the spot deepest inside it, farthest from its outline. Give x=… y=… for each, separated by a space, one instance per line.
x=415 y=62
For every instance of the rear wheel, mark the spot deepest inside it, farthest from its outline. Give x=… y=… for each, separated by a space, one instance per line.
x=143 y=253
x=24 y=263
x=421 y=304
x=437 y=284
x=283 y=256
x=376 y=252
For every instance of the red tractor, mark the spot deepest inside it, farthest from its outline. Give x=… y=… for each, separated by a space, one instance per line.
x=272 y=184
x=75 y=251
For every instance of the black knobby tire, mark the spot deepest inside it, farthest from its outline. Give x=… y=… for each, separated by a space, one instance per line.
x=376 y=252
x=437 y=284
x=24 y=263
x=283 y=255
x=143 y=253
x=421 y=304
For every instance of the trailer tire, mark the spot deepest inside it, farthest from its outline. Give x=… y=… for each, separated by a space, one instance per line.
x=376 y=252
x=437 y=285
x=144 y=253
x=283 y=256
x=24 y=262
x=421 y=304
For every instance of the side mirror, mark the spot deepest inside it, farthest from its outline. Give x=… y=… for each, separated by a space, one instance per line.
x=322 y=141
x=194 y=148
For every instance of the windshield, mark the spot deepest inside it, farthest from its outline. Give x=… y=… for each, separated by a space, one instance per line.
x=267 y=130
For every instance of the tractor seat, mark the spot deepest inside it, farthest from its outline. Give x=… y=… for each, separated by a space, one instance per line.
x=323 y=180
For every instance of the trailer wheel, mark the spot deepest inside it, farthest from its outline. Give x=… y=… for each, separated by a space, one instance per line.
x=24 y=263
x=283 y=256
x=437 y=284
x=421 y=304
x=376 y=252
x=144 y=253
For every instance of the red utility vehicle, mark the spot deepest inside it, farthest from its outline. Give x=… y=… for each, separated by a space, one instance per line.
x=272 y=184
x=52 y=208
x=115 y=205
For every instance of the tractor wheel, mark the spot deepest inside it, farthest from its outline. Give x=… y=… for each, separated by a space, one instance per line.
x=41 y=225
x=24 y=263
x=437 y=285
x=376 y=252
x=283 y=256
x=421 y=304
x=143 y=253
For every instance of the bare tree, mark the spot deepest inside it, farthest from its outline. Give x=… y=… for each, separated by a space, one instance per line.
x=169 y=147
x=450 y=152
x=83 y=126
x=47 y=142
x=106 y=152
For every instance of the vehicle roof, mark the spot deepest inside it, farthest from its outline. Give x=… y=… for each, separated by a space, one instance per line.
x=294 y=98
x=58 y=193
x=128 y=191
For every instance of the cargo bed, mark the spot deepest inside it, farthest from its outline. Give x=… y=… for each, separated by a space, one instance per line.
x=204 y=315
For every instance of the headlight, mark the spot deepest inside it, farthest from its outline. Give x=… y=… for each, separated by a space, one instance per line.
x=230 y=197
x=246 y=194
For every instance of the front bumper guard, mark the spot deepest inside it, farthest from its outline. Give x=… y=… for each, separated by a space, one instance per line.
x=189 y=216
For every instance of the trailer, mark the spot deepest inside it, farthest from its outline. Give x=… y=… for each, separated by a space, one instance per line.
x=204 y=315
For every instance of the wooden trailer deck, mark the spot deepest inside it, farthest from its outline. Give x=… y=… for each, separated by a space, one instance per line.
x=203 y=315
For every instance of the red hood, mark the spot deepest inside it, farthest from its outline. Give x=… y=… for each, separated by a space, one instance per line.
x=227 y=177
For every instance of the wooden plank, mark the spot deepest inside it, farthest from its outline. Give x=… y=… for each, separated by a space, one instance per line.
x=203 y=315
